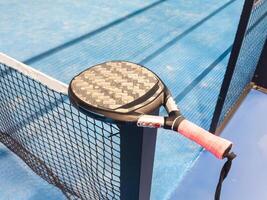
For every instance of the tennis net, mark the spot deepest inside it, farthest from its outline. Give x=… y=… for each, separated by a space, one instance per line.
x=78 y=154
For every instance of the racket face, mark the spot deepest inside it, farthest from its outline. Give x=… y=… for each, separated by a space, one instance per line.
x=117 y=91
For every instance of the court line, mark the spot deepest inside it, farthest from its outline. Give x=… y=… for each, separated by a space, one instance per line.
x=203 y=74
x=183 y=34
x=197 y=80
x=91 y=33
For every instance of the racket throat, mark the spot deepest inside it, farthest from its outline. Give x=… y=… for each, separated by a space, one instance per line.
x=173 y=121
x=151 y=121
x=175 y=117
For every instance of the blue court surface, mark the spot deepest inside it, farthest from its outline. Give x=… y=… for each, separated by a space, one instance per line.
x=247 y=178
x=18 y=181
x=187 y=43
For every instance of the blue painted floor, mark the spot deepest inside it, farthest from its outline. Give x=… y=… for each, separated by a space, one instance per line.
x=248 y=178
x=18 y=181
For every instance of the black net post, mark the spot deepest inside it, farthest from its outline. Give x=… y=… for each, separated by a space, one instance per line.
x=260 y=76
x=137 y=157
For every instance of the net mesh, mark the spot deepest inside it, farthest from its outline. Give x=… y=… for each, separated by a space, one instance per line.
x=248 y=57
x=78 y=154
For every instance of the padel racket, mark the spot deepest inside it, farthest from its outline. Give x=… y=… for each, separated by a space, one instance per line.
x=124 y=92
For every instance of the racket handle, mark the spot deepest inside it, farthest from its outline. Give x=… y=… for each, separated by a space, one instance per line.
x=218 y=146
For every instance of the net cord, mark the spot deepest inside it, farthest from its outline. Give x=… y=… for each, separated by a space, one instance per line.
x=38 y=76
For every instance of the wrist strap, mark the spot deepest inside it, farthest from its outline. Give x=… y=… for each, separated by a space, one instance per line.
x=224 y=172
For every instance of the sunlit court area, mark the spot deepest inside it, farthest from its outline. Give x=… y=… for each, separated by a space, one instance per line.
x=133 y=100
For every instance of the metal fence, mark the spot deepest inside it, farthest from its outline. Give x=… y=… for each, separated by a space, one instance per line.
x=245 y=55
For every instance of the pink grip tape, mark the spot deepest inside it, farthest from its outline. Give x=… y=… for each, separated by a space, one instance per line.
x=214 y=144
